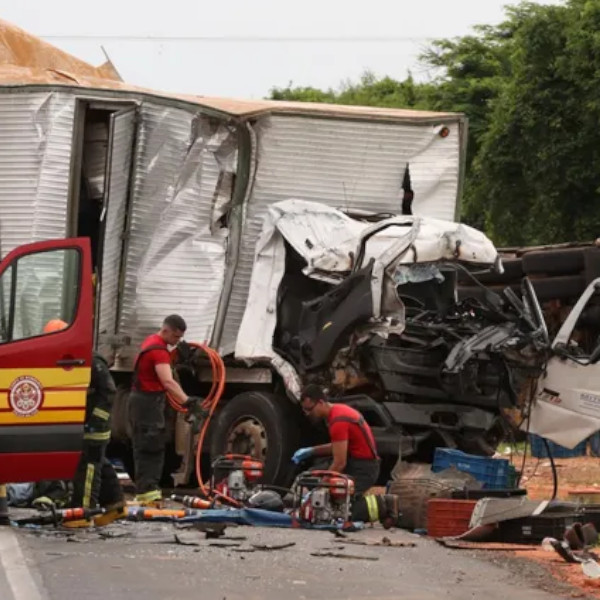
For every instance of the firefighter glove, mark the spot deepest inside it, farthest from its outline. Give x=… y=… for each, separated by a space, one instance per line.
x=192 y=403
x=302 y=455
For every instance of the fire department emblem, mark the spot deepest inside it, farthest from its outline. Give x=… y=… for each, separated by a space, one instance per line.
x=25 y=396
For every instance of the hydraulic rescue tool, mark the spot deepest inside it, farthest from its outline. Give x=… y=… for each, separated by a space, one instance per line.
x=236 y=476
x=57 y=517
x=322 y=497
x=192 y=501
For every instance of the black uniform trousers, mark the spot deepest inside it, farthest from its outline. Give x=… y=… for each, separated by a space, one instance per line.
x=147 y=418
x=96 y=481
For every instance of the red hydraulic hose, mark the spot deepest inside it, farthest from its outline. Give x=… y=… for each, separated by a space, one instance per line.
x=209 y=404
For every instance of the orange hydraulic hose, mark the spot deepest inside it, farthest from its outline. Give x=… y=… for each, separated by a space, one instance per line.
x=209 y=404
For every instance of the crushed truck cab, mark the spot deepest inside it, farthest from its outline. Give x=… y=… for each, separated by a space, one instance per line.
x=44 y=376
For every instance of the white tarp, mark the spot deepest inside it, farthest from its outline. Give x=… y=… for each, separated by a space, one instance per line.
x=328 y=239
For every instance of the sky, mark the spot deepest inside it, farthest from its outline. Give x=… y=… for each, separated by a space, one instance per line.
x=244 y=48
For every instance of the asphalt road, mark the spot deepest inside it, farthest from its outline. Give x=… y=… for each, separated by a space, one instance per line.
x=142 y=561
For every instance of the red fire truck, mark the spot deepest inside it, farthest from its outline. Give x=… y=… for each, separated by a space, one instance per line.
x=44 y=377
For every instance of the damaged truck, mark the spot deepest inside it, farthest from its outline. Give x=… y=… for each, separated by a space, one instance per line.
x=304 y=242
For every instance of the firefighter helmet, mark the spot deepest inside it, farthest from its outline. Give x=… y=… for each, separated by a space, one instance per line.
x=54 y=325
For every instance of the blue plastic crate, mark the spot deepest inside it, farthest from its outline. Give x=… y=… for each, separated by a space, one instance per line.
x=538 y=448
x=492 y=472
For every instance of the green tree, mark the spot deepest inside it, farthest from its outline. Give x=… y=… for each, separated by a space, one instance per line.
x=537 y=176
x=368 y=91
x=531 y=90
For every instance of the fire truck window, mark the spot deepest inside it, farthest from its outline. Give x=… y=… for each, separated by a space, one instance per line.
x=46 y=289
x=5 y=288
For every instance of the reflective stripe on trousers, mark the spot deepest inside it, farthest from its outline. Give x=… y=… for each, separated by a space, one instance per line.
x=102 y=436
x=87 y=488
x=101 y=414
x=372 y=507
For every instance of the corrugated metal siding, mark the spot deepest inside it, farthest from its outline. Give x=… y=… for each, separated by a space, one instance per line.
x=122 y=132
x=174 y=263
x=35 y=155
x=345 y=164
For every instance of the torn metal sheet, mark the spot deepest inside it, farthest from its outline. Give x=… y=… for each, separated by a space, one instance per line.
x=349 y=164
x=177 y=244
x=489 y=511
x=330 y=242
x=489 y=338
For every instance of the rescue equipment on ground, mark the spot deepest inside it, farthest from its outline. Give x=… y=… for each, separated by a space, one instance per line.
x=322 y=497
x=56 y=517
x=236 y=476
x=192 y=501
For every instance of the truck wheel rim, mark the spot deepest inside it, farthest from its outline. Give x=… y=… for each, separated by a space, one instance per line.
x=248 y=436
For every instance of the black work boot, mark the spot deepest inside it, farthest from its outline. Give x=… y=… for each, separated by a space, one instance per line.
x=389 y=510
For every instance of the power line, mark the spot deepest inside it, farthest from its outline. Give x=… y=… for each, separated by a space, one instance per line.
x=242 y=38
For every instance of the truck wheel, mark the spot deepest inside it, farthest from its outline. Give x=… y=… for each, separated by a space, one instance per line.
x=260 y=424
x=119 y=421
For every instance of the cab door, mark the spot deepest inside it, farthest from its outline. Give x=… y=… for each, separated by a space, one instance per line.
x=566 y=409
x=44 y=376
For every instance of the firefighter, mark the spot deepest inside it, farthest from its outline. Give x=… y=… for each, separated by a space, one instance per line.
x=353 y=452
x=96 y=482
x=352 y=446
x=152 y=378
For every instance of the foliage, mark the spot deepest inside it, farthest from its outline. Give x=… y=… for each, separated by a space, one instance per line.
x=531 y=90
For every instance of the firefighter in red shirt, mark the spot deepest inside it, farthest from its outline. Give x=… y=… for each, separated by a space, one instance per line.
x=352 y=446
x=152 y=378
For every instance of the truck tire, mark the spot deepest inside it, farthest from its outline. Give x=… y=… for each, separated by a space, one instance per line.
x=263 y=425
x=567 y=287
x=591 y=260
x=119 y=422
x=554 y=262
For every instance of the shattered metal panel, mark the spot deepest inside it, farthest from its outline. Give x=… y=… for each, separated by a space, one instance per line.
x=344 y=164
x=176 y=251
x=35 y=155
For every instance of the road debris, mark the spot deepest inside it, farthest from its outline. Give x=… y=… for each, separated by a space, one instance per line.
x=224 y=544
x=490 y=546
x=183 y=541
x=340 y=555
x=269 y=547
x=384 y=543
